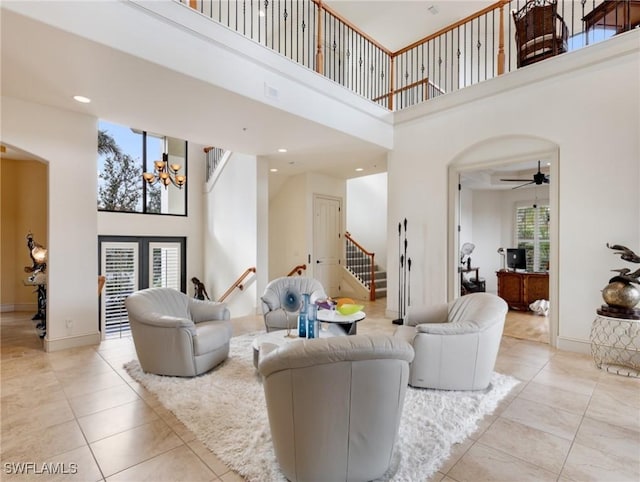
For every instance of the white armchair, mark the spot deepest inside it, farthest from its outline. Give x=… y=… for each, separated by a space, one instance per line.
x=334 y=405
x=275 y=318
x=177 y=335
x=456 y=344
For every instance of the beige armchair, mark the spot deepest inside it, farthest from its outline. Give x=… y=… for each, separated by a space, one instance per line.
x=456 y=344
x=275 y=318
x=334 y=405
x=177 y=335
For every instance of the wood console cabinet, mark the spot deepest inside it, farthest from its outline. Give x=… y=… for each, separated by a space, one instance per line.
x=519 y=290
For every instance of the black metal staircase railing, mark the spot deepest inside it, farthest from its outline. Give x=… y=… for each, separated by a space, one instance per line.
x=472 y=50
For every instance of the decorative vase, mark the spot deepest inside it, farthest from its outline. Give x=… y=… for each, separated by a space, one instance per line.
x=302 y=317
x=312 y=321
x=621 y=294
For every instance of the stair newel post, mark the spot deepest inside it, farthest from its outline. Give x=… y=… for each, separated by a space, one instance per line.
x=372 y=286
x=501 y=41
x=319 y=41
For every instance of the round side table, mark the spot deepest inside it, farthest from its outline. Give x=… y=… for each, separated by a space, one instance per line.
x=615 y=345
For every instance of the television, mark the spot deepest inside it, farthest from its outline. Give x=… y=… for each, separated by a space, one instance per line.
x=517 y=258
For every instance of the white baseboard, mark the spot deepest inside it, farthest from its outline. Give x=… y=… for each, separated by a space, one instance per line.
x=574 y=345
x=71 y=342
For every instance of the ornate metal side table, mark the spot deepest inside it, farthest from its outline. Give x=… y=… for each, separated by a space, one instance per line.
x=615 y=342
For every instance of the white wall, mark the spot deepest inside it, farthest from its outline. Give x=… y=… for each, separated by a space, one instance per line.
x=367 y=214
x=67 y=141
x=563 y=100
x=287 y=227
x=231 y=235
x=291 y=221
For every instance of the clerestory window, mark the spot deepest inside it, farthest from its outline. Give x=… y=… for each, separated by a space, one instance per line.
x=123 y=155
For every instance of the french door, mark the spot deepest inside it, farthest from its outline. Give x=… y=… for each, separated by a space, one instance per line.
x=133 y=263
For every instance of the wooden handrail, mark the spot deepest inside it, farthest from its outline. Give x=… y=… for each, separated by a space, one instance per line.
x=402 y=89
x=298 y=269
x=322 y=6
x=444 y=30
x=237 y=283
x=372 y=274
x=358 y=245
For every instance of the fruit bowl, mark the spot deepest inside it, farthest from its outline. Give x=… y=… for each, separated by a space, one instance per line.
x=349 y=308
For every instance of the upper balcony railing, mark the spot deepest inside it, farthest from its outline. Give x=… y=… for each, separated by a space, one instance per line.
x=474 y=49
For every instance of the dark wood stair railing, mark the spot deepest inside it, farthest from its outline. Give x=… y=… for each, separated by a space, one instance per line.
x=238 y=283
x=297 y=270
x=367 y=259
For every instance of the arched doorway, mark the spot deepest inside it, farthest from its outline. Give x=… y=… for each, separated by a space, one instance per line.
x=24 y=180
x=486 y=163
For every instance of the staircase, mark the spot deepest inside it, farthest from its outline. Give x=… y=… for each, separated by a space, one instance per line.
x=358 y=262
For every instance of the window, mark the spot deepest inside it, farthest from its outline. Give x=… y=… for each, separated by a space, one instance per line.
x=532 y=234
x=123 y=155
x=133 y=263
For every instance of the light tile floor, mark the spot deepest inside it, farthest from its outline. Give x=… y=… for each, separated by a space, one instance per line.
x=567 y=420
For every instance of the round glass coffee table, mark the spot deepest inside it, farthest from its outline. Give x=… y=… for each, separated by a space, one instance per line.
x=348 y=323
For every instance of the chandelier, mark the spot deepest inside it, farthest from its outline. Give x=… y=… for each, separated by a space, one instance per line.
x=165 y=173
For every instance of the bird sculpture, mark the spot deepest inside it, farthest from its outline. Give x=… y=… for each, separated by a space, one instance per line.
x=624 y=274
x=625 y=253
x=38 y=255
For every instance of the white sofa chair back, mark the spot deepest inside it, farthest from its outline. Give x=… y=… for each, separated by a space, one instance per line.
x=456 y=344
x=177 y=335
x=334 y=405
x=275 y=318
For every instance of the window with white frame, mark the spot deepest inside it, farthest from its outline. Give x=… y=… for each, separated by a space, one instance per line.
x=532 y=234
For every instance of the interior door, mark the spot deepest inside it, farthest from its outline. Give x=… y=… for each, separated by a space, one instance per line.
x=327 y=244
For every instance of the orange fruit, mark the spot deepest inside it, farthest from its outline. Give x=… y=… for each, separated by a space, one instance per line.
x=345 y=301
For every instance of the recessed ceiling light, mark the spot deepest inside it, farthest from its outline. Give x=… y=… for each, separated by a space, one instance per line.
x=82 y=99
x=273 y=169
x=359 y=169
x=282 y=149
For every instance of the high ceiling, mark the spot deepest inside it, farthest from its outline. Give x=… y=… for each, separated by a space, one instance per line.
x=41 y=64
x=396 y=24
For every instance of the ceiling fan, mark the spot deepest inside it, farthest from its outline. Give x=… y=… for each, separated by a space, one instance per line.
x=538 y=179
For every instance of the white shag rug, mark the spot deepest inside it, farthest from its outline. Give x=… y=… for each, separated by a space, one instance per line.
x=226 y=410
